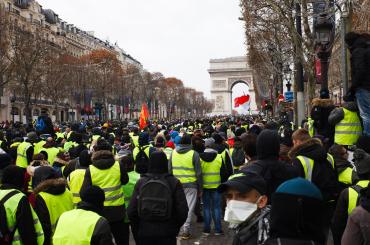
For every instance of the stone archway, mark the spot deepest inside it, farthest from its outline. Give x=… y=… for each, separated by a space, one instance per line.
x=225 y=74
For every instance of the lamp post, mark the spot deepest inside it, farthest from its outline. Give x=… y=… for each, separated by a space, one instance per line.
x=324 y=30
x=288 y=74
x=67 y=110
x=12 y=101
x=111 y=111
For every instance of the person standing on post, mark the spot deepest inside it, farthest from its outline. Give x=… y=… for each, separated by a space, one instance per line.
x=185 y=165
x=109 y=175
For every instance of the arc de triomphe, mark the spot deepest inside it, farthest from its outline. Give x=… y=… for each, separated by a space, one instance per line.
x=225 y=73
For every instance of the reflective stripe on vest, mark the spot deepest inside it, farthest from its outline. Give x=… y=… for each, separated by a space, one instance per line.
x=109 y=180
x=22 y=154
x=211 y=172
x=11 y=206
x=76 y=179
x=307 y=165
x=349 y=129
x=75 y=227
x=182 y=167
x=57 y=205
x=345 y=176
x=330 y=159
x=353 y=195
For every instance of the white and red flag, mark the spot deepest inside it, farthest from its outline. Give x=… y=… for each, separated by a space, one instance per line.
x=242 y=104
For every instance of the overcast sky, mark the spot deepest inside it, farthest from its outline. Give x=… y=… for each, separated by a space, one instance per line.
x=175 y=37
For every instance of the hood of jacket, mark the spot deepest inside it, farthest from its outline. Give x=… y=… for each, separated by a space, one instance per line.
x=182 y=149
x=352 y=106
x=219 y=147
x=322 y=102
x=268 y=144
x=52 y=186
x=103 y=159
x=312 y=148
x=208 y=155
x=238 y=144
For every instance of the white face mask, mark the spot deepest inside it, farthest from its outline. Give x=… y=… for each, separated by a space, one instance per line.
x=237 y=212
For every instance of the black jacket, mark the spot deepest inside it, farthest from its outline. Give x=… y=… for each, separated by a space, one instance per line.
x=209 y=155
x=24 y=219
x=53 y=187
x=360 y=62
x=105 y=160
x=340 y=217
x=220 y=148
x=162 y=229
x=323 y=174
x=268 y=165
x=320 y=112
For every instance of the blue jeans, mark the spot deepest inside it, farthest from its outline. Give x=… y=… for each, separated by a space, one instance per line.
x=363 y=103
x=212 y=209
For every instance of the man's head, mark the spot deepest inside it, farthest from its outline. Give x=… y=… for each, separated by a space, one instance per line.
x=13 y=176
x=300 y=136
x=94 y=196
x=245 y=187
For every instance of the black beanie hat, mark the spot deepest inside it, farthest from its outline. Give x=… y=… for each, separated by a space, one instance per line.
x=85 y=158
x=13 y=175
x=93 y=195
x=158 y=163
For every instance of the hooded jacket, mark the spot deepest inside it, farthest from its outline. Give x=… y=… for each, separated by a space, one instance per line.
x=314 y=150
x=54 y=187
x=320 y=112
x=105 y=160
x=268 y=165
x=182 y=149
x=360 y=58
x=337 y=114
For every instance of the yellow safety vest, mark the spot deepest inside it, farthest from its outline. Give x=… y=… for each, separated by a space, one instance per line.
x=57 y=205
x=136 y=151
x=75 y=181
x=11 y=206
x=135 y=140
x=349 y=129
x=38 y=147
x=182 y=166
x=307 y=164
x=15 y=144
x=353 y=195
x=211 y=172
x=330 y=159
x=22 y=154
x=52 y=154
x=345 y=176
x=311 y=129
x=168 y=151
x=96 y=137
x=75 y=227
x=110 y=182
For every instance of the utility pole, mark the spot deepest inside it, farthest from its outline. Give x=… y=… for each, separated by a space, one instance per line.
x=299 y=69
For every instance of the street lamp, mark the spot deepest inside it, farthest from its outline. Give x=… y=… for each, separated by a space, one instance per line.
x=111 y=111
x=288 y=74
x=13 y=98
x=324 y=30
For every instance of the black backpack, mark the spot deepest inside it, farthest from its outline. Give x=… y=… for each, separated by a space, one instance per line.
x=6 y=236
x=361 y=193
x=142 y=161
x=155 y=200
x=238 y=157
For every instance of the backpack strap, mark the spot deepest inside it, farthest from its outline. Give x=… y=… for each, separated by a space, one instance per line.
x=357 y=188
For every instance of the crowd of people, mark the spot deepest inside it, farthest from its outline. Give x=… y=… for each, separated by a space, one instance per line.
x=271 y=182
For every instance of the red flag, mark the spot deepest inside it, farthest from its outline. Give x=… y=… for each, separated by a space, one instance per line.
x=241 y=100
x=144 y=115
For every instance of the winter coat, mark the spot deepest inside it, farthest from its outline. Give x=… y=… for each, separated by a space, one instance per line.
x=268 y=165
x=163 y=229
x=54 y=187
x=105 y=160
x=341 y=165
x=247 y=233
x=320 y=112
x=323 y=174
x=182 y=149
x=24 y=218
x=360 y=62
x=296 y=217
x=238 y=155
x=208 y=156
x=357 y=231
x=337 y=114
